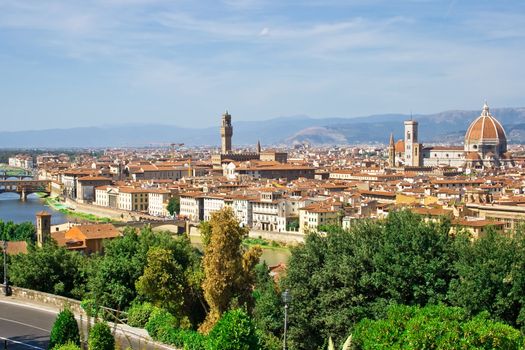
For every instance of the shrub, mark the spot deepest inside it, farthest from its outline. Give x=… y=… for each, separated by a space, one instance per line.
x=234 y=331
x=435 y=327
x=183 y=338
x=90 y=307
x=193 y=340
x=100 y=337
x=67 y=346
x=160 y=323
x=139 y=314
x=65 y=330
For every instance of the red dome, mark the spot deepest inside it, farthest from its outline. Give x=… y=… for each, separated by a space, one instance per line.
x=485 y=128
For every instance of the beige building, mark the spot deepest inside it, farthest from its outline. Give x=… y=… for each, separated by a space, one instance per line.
x=318 y=214
x=133 y=199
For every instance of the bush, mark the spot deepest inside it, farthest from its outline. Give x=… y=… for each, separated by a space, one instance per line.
x=67 y=346
x=139 y=314
x=434 y=327
x=183 y=338
x=160 y=323
x=269 y=341
x=65 y=330
x=100 y=337
x=90 y=307
x=234 y=331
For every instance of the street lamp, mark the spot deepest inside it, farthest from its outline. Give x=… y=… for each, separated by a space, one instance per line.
x=287 y=299
x=5 y=267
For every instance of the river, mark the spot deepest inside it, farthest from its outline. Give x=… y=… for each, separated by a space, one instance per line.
x=12 y=209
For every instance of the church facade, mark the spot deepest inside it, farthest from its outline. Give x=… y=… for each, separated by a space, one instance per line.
x=485 y=146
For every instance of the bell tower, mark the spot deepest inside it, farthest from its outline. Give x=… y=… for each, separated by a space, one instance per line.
x=226 y=133
x=43 y=227
x=391 y=152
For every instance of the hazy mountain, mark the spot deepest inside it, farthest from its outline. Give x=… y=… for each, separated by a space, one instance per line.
x=445 y=127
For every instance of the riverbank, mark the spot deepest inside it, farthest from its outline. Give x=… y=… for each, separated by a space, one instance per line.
x=11 y=171
x=64 y=209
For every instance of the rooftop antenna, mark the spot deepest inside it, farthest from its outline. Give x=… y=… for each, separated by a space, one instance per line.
x=410 y=114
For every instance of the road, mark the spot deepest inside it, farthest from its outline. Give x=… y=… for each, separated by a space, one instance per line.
x=25 y=325
x=28 y=327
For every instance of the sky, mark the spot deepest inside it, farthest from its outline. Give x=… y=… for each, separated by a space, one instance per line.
x=108 y=62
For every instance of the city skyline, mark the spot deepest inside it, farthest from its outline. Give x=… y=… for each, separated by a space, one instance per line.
x=69 y=64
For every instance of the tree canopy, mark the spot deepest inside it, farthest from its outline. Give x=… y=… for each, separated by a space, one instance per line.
x=227 y=265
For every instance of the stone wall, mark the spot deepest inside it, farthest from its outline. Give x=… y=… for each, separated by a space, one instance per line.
x=286 y=237
x=111 y=213
x=52 y=300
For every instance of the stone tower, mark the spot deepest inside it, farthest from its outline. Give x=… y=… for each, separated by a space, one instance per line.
x=226 y=133
x=43 y=227
x=412 y=147
x=391 y=152
x=258 y=148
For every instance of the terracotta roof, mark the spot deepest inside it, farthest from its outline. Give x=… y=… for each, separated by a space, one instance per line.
x=95 y=231
x=400 y=146
x=16 y=247
x=43 y=213
x=485 y=127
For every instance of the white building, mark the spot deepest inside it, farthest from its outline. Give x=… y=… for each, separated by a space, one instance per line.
x=192 y=206
x=158 y=201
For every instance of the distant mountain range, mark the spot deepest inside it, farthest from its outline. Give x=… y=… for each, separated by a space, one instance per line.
x=445 y=127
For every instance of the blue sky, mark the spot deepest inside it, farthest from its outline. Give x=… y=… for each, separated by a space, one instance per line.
x=97 y=62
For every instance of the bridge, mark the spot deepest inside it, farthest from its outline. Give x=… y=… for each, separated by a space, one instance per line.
x=24 y=175
x=25 y=187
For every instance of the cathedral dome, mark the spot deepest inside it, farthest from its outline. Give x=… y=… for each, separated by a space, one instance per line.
x=486 y=135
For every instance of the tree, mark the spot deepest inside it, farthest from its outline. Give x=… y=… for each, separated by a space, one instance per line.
x=234 y=331
x=434 y=327
x=65 y=330
x=51 y=269
x=163 y=281
x=492 y=268
x=268 y=310
x=17 y=232
x=337 y=280
x=100 y=337
x=227 y=266
x=173 y=205
x=112 y=279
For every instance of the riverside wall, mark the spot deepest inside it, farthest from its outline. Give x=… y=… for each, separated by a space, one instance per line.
x=284 y=237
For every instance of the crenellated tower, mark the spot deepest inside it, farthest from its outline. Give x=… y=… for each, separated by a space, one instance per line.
x=226 y=133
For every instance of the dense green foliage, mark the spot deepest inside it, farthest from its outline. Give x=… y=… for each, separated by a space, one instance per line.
x=100 y=337
x=491 y=277
x=67 y=346
x=234 y=331
x=434 y=327
x=160 y=323
x=268 y=311
x=163 y=280
x=65 y=330
x=113 y=279
x=337 y=280
x=173 y=205
x=139 y=314
x=17 y=232
x=228 y=267
x=51 y=269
